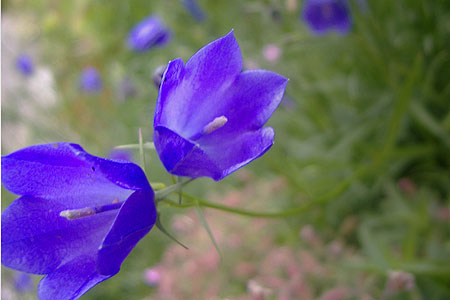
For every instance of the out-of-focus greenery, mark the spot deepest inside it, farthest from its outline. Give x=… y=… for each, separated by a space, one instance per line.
x=364 y=131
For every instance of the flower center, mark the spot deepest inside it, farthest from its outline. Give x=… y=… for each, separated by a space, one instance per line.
x=72 y=214
x=215 y=124
x=212 y=126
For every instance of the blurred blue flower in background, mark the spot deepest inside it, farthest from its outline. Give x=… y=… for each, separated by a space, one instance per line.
x=209 y=115
x=90 y=80
x=195 y=10
x=78 y=217
x=23 y=282
x=24 y=64
x=149 y=33
x=322 y=16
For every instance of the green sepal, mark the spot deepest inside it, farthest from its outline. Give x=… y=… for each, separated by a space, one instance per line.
x=207 y=228
x=163 y=230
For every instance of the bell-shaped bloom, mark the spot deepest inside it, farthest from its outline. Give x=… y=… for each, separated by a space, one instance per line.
x=209 y=115
x=149 y=33
x=195 y=10
x=322 y=16
x=90 y=80
x=77 y=219
x=24 y=64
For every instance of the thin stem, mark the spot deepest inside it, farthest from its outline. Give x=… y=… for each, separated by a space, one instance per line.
x=141 y=150
x=157 y=186
x=403 y=96
x=286 y=213
x=146 y=145
x=162 y=194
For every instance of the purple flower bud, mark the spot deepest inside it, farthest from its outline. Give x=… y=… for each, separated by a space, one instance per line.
x=149 y=33
x=210 y=116
x=157 y=76
x=77 y=218
x=24 y=64
x=195 y=10
x=322 y=16
x=90 y=80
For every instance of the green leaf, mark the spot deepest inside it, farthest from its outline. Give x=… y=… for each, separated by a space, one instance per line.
x=206 y=226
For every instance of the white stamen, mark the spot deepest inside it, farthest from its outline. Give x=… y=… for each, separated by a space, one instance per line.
x=215 y=124
x=72 y=214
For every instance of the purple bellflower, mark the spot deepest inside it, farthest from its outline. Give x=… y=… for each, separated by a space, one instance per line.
x=77 y=219
x=322 y=16
x=24 y=64
x=195 y=10
x=90 y=80
x=149 y=33
x=209 y=115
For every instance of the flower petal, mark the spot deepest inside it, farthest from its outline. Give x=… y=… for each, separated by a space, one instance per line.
x=71 y=280
x=135 y=219
x=199 y=86
x=215 y=64
x=62 y=169
x=182 y=157
x=167 y=110
x=35 y=239
x=249 y=104
x=234 y=153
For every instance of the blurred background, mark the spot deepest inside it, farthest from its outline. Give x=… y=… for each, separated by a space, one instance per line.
x=360 y=164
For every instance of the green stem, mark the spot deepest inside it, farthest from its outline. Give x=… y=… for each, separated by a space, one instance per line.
x=141 y=150
x=146 y=145
x=400 y=108
x=286 y=213
x=162 y=194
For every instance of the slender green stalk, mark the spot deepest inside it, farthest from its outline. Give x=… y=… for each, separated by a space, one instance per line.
x=157 y=186
x=305 y=207
x=162 y=194
x=400 y=109
x=141 y=150
x=146 y=145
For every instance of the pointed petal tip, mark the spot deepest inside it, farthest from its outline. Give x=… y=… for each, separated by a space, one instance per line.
x=230 y=35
